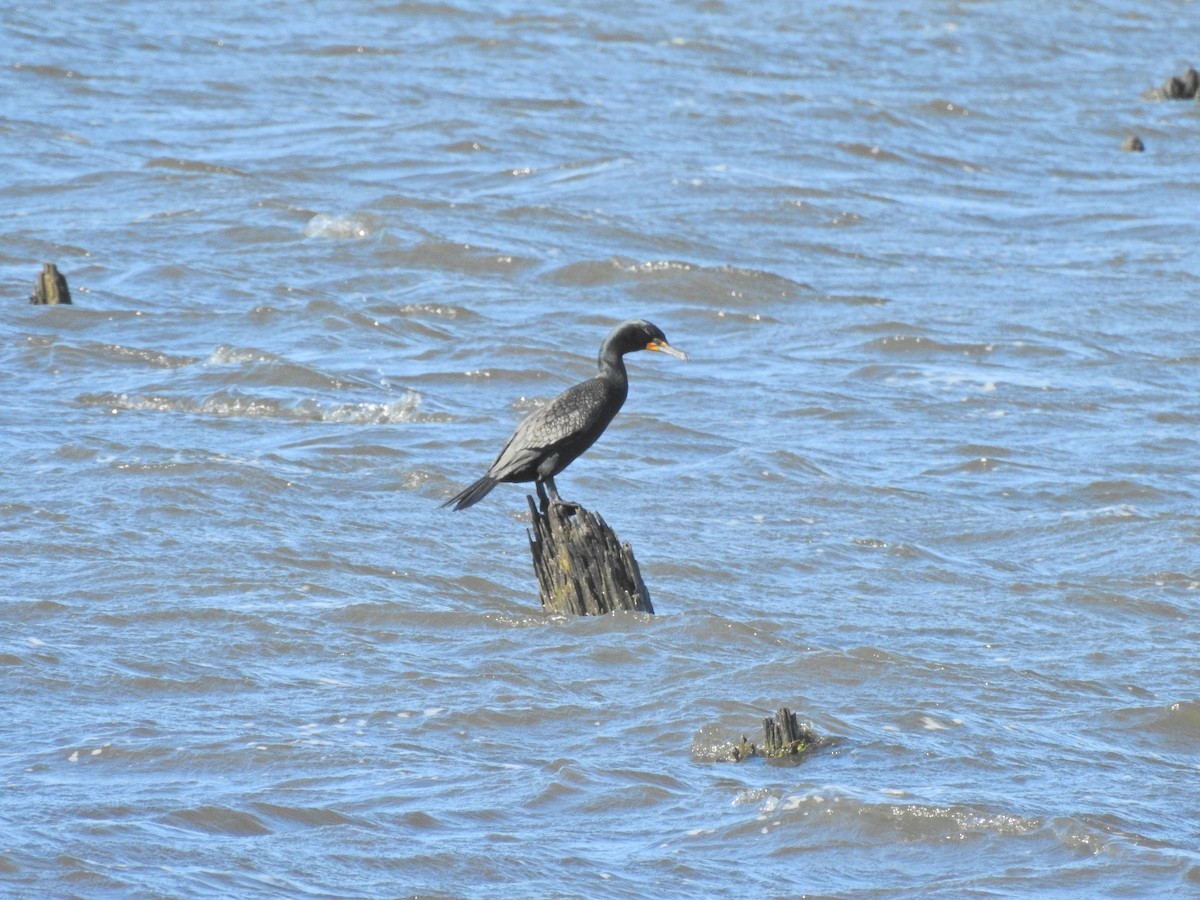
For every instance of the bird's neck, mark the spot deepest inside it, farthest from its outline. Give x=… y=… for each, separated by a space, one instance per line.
x=612 y=366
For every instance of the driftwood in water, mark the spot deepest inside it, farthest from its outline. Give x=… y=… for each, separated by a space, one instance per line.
x=582 y=568
x=51 y=287
x=783 y=737
x=1181 y=87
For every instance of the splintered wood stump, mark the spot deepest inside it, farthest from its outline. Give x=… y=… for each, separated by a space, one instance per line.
x=51 y=287
x=581 y=567
x=784 y=736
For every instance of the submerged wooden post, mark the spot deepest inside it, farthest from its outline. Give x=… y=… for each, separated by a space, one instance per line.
x=51 y=287
x=784 y=735
x=582 y=568
x=784 y=738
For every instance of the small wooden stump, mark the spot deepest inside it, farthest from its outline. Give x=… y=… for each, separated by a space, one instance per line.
x=1181 y=87
x=742 y=750
x=582 y=568
x=784 y=736
x=51 y=287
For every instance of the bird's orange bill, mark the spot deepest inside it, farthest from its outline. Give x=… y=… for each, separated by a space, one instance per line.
x=664 y=347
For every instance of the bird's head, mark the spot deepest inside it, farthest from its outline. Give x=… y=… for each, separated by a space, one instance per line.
x=638 y=334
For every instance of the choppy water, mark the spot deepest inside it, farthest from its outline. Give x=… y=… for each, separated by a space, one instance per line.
x=929 y=478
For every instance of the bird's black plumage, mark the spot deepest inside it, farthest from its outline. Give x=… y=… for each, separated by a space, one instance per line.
x=551 y=438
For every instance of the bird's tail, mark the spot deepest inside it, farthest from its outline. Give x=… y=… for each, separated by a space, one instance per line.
x=472 y=494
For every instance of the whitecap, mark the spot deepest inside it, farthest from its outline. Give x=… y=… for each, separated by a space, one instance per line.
x=350 y=226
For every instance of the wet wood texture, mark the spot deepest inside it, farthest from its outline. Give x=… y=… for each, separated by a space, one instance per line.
x=582 y=567
x=51 y=287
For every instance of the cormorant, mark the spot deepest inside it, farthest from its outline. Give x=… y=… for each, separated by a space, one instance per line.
x=550 y=438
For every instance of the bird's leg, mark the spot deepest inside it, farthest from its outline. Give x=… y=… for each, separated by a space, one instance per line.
x=541 y=492
x=557 y=500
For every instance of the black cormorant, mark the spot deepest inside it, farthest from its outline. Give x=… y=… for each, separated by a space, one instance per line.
x=550 y=438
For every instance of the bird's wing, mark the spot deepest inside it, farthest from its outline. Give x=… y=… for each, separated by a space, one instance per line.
x=581 y=410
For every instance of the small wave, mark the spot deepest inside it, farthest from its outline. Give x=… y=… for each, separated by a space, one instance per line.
x=1120 y=491
x=719 y=314
x=352 y=226
x=289 y=817
x=855 y=299
x=916 y=343
x=1181 y=719
x=89 y=355
x=684 y=279
x=537 y=103
x=49 y=71
x=980 y=465
x=193 y=166
x=402 y=410
x=234 y=406
x=907 y=822
x=467 y=147
x=437 y=310
x=944 y=108
x=225 y=355
x=871 y=151
x=951 y=162
x=220 y=820
x=923 y=822
x=1118 y=512
x=1178 y=724
x=350 y=50
x=713 y=744
x=455 y=257
x=260 y=367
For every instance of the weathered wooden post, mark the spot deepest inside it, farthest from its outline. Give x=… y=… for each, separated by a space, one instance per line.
x=785 y=736
x=582 y=568
x=51 y=287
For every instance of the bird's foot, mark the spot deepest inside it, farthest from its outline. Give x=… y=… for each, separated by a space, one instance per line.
x=565 y=507
x=560 y=506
